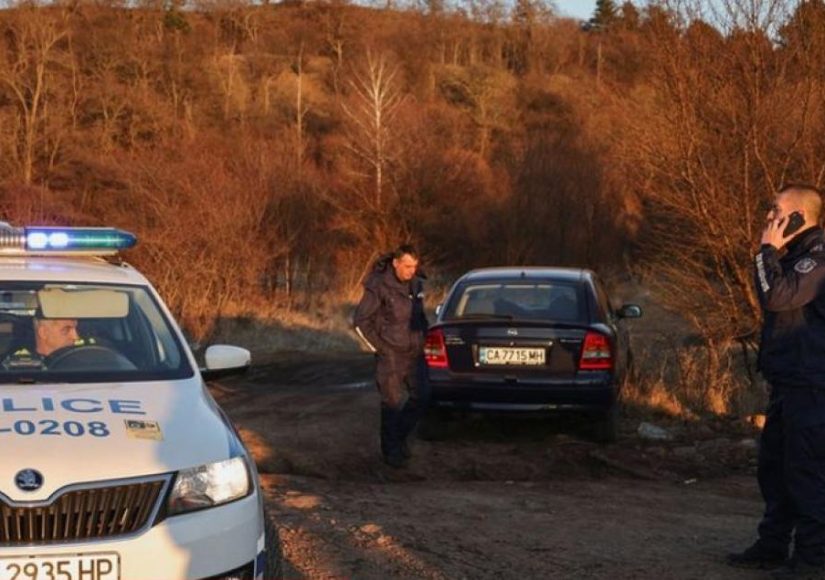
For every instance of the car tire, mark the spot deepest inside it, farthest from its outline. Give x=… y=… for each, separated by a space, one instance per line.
x=274 y=564
x=434 y=425
x=606 y=425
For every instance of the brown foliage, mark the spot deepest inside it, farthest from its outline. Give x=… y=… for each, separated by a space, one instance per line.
x=266 y=153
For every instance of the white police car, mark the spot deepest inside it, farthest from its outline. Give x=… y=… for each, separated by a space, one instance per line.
x=115 y=462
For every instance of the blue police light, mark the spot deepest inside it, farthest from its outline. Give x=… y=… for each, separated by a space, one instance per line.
x=78 y=239
x=97 y=241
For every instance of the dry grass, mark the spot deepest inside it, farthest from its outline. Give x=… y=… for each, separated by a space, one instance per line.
x=274 y=328
x=676 y=374
x=266 y=327
x=687 y=383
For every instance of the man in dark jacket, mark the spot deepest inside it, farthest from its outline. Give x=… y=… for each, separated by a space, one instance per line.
x=390 y=319
x=790 y=283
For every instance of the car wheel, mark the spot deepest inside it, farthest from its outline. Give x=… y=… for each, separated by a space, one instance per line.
x=434 y=425
x=274 y=566
x=606 y=426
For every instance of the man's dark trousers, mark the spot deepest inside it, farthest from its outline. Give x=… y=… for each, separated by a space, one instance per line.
x=402 y=382
x=791 y=473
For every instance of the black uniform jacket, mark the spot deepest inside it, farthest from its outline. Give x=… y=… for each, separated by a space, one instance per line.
x=791 y=291
x=390 y=316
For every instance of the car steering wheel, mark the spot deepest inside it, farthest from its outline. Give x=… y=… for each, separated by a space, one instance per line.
x=88 y=357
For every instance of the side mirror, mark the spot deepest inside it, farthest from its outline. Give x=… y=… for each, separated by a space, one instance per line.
x=223 y=360
x=630 y=311
x=438 y=309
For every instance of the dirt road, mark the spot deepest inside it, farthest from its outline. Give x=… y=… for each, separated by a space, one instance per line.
x=497 y=499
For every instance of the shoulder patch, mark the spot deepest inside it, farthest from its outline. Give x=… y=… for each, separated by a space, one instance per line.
x=805 y=265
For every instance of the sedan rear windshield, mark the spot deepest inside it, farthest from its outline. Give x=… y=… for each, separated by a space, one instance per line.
x=545 y=301
x=70 y=332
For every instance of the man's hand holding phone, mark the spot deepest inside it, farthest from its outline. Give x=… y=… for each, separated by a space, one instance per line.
x=779 y=232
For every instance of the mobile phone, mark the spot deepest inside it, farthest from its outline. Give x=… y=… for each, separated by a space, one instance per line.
x=795 y=222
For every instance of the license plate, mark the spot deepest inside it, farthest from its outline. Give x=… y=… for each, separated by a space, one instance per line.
x=497 y=355
x=102 y=566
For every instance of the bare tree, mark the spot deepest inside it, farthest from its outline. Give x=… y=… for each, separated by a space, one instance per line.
x=486 y=94
x=300 y=107
x=727 y=122
x=371 y=110
x=29 y=54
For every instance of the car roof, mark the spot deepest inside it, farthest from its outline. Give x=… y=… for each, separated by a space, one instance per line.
x=527 y=273
x=68 y=269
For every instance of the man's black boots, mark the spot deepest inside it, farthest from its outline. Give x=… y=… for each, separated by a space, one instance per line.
x=757 y=557
x=391 y=444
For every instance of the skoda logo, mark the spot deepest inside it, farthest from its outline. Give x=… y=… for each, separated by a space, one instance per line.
x=29 y=480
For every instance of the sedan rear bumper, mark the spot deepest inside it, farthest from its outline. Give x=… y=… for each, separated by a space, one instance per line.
x=596 y=393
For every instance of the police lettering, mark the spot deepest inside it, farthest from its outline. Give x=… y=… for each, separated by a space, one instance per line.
x=72 y=405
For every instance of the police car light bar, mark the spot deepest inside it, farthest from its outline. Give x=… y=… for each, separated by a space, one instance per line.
x=66 y=241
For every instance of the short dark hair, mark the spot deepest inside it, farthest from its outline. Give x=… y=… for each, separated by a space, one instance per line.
x=405 y=250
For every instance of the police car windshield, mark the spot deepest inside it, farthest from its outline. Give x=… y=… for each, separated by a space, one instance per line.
x=53 y=332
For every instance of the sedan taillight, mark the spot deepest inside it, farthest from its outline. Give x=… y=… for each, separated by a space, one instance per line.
x=435 y=351
x=596 y=353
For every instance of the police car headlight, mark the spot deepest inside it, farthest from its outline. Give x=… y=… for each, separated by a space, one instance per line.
x=210 y=485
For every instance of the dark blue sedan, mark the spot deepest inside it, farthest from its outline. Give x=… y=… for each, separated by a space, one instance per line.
x=528 y=340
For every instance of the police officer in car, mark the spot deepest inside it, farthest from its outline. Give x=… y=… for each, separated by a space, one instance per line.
x=390 y=319
x=50 y=335
x=790 y=283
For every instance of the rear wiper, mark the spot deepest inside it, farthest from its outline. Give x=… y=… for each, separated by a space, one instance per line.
x=479 y=315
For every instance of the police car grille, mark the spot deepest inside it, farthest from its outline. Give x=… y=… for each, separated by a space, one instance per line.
x=81 y=514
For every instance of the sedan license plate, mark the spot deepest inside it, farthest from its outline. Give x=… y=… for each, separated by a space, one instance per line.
x=498 y=355
x=101 y=566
